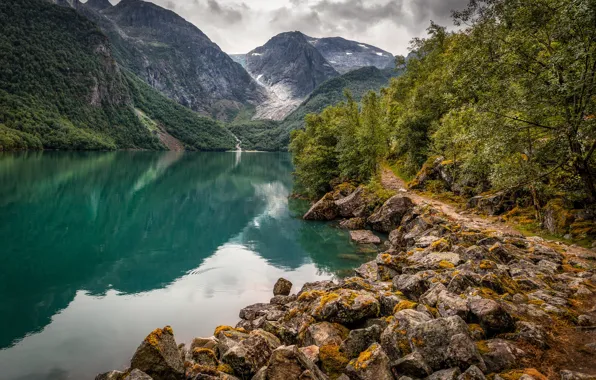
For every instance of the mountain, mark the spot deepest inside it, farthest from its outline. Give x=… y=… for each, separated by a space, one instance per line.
x=60 y=88
x=290 y=68
x=175 y=57
x=345 y=55
x=271 y=135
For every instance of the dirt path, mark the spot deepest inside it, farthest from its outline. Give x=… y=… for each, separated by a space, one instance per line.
x=391 y=182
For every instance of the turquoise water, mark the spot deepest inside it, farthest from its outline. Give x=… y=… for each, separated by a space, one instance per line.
x=98 y=249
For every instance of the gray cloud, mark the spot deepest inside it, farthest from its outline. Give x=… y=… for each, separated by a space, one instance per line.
x=241 y=26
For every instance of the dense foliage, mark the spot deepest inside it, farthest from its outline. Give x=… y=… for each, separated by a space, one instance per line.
x=509 y=101
x=269 y=135
x=61 y=89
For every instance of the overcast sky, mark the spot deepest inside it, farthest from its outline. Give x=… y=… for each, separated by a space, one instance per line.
x=239 y=26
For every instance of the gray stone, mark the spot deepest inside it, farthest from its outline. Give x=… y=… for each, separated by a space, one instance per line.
x=364 y=237
x=324 y=209
x=311 y=352
x=158 y=356
x=112 y=375
x=411 y=285
x=493 y=318
x=571 y=375
x=354 y=205
x=501 y=355
x=394 y=338
x=347 y=307
x=282 y=300
x=532 y=333
x=135 y=374
x=412 y=365
x=462 y=353
x=252 y=312
x=288 y=362
x=374 y=365
x=248 y=356
x=323 y=333
x=282 y=287
x=472 y=373
x=389 y=216
x=359 y=340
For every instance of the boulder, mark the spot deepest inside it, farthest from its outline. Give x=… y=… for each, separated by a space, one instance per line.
x=288 y=362
x=311 y=352
x=411 y=285
x=228 y=337
x=282 y=287
x=412 y=365
x=158 y=356
x=472 y=373
x=252 y=312
x=324 y=209
x=450 y=304
x=434 y=340
x=389 y=216
x=532 y=333
x=370 y=364
x=394 y=339
x=204 y=357
x=248 y=356
x=210 y=343
x=500 y=355
x=359 y=340
x=493 y=318
x=323 y=333
x=135 y=374
x=494 y=204
x=462 y=352
x=364 y=237
x=346 y=306
x=353 y=224
x=354 y=205
x=283 y=300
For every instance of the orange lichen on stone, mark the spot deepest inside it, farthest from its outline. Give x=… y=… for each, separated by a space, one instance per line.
x=487 y=264
x=310 y=295
x=443 y=264
x=333 y=362
x=364 y=358
x=225 y=368
x=417 y=342
x=219 y=329
x=403 y=305
x=153 y=338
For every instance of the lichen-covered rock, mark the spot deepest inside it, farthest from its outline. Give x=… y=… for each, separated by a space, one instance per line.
x=394 y=339
x=500 y=355
x=389 y=216
x=493 y=318
x=472 y=373
x=411 y=285
x=354 y=205
x=204 y=357
x=248 y=356
x=370 y=364
x=359 y=340
x=412 y=365
x=434 y=338
x=158 y=356
x=323 y=333
x=228 y=337
x=252 y=312
x=288 y=362
x=283 y=300
x=324 y=209
x=532 y=333
x=450 y=304
x=282 y=287
x=345 y=306
x=290 y=326
x=462 y=352
x=210 y=343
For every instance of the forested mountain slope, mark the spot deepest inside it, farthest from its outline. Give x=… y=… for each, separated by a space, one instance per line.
x=175 y=57
x=60 y=88
x=270 y=135
x=485 y=114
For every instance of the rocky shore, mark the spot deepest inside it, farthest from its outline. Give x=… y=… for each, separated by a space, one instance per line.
x=444 y=301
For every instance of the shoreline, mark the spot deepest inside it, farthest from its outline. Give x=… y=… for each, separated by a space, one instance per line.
x=444 y=301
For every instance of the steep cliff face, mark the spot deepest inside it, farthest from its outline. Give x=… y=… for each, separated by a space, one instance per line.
x=98 y=4
x=345 y=55
x=290 y=68
x=175 y=57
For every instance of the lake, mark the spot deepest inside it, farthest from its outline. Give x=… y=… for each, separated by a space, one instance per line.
x=99 y=249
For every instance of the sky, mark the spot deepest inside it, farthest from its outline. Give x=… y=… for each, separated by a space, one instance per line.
x=239 y=26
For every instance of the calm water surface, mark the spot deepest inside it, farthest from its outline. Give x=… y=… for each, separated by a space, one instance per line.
x=98 y=249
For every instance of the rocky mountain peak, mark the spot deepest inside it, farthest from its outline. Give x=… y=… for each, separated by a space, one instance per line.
x=290 y=68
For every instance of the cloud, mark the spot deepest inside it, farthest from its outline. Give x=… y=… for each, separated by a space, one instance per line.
x=240 y=26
